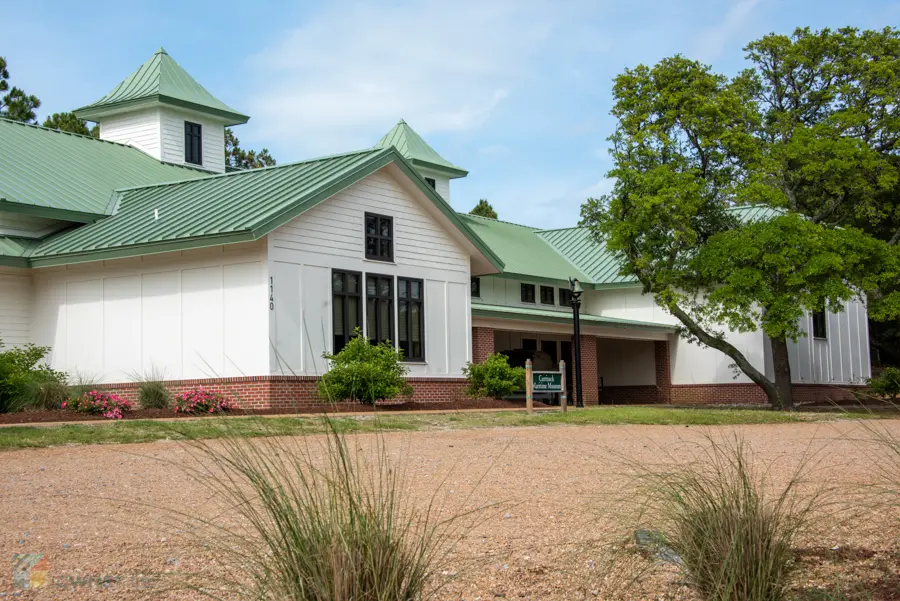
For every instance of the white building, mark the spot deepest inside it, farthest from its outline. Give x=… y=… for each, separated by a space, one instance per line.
x=138 y=252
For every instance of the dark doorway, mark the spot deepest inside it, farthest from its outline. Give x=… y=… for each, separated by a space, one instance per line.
x=565 y=351
x=529 y=344
x=549 y=347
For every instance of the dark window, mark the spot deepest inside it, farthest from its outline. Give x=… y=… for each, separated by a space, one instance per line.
x=346 y=290
x=547 y=295
x=476 y=287
x=411 y=319
x=430 y=181
x=380 y=308
x=529 y=344
x=379 y=237
x=527 y=293
x=819 y=325
x=565 y=297
x=193 y=143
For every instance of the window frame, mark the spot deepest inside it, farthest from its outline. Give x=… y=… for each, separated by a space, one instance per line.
x=189 y=137
x=431 y=182
x=475 y=287
x=379 y=239
x=408 y=301
x=523 y=296
x=378 y=298
x=565 y=292
x=552 y=291
x=819 y=325
x=345 y=296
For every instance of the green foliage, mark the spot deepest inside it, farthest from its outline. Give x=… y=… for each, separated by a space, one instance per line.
x=484 y=209
x=887 y=384
x=69 y=122
x=494 y=377
x=152 y=392
x=238 y=158
x=25 y=381
x=364 y=372
x=15 y=104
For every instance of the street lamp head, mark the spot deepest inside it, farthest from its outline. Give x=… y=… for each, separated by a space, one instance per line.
x=575 y=287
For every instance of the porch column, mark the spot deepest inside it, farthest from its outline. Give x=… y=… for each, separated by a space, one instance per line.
x=589 y=383
x=663 y=371
x=482 y=343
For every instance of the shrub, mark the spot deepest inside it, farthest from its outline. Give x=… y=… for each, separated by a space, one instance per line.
x=364 y=372
x=494 y=377
x=110 y=406
x=887 y=384
x=46 y=393
x=201 y=400
x=25 y=381
x=152 y=392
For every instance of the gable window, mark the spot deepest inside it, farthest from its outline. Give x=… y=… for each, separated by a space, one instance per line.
x=411 y=319
x=379 y=308
x=819 y=325
x=193 y=143
x=430 y=181
x=547 y=295
x=565 y=297
x=379 y=237
x=476 y=287
x=346 y=309
x=527 y=293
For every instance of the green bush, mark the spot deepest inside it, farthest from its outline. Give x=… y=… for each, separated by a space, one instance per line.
x=26 y=382
x=152 y=391
x=887 y=384
x=364 y=372
x=495 y=377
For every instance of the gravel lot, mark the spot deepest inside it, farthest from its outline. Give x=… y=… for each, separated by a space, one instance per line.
x=99 y=513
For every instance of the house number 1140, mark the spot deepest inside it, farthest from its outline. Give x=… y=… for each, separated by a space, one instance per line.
x=271 y=293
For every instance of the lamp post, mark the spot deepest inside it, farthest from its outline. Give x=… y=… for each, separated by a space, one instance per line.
x=575 y=288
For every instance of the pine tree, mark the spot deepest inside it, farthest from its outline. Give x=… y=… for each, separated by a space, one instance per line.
x=484 y=209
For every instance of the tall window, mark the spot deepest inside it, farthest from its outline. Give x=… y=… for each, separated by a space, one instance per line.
x=379 y=307
x=565 y=297
x=193 y=143
x=346 y=306
x=819 y=323
x=411 y=319
x=379 y=237
x=476 y=287
x=547 y=295
x=527 y=293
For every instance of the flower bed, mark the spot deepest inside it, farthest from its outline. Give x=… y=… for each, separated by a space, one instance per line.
x=110 y=406
x=200 y=400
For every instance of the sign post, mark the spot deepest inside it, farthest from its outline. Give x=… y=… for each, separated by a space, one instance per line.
x=529 y=387
x=563 y=399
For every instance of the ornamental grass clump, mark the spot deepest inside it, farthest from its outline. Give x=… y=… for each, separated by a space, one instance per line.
x=201 y=400
x=152 y=391
x=733 y=532
x=108 y=405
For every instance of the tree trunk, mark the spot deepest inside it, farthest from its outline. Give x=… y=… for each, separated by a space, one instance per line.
x=775 y=397
x=782 y=366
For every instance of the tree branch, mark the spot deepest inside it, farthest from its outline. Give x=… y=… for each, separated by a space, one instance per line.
x=895 y=238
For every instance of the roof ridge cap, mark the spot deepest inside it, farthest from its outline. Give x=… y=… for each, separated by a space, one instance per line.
x=534 y=229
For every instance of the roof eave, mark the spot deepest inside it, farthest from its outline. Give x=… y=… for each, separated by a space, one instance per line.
x=452 y=172
x=92 y=112
x=49 y=212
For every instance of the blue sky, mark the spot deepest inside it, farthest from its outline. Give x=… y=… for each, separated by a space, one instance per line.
x=515 y=91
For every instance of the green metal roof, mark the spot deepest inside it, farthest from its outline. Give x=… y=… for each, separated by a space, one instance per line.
x=49 y=169
x=595 y=260
x=14 y=251
x=162 y=80
x=227 y=208
x=417 y=151
x=522 y=250
x=754 y=213
x=544 y=315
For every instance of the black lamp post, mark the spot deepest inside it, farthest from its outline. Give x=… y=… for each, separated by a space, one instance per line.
x=575 y=288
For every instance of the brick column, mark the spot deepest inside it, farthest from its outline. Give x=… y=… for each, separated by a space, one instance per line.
x=589 y=382
x=663 y=371
x=482 y=344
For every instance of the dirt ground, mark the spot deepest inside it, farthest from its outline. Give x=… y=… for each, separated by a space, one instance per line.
x=102 y=516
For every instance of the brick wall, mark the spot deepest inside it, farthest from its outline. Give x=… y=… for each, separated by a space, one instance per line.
x=590 y=385
x=629 y=395
x=663 y=371
x=749 y=393
x=482 y=343
x=291 y=392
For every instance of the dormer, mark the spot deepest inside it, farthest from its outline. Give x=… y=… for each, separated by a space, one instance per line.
x=163 y=111
x=436 y=170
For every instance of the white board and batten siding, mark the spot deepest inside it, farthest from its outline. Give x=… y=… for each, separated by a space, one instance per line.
x=191 y=314
x=841 y=357
x=303 y=252
x=16 y=299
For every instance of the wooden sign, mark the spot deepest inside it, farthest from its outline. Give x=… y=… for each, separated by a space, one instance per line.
x=547 y=381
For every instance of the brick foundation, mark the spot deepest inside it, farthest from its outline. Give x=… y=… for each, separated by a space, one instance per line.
x=749 y=393
x=291 y=392
x=630 y=395
x=482 y=343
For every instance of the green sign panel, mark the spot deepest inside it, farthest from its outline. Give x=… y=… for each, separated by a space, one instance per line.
x=546 y=381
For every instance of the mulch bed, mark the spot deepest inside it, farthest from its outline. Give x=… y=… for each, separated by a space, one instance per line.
x=30 y=417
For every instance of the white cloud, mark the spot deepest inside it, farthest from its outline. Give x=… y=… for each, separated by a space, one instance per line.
x=344 y=77
x=711 y=43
